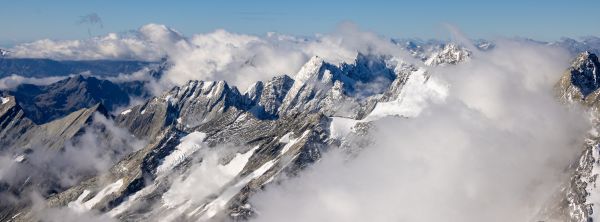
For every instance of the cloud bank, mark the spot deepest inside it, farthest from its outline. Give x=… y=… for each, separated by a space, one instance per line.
x=495 y=149
x=12 y=81
x=219 y=55
x=143 y=44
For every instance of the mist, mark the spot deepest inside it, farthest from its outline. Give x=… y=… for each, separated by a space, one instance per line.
x=42 y=171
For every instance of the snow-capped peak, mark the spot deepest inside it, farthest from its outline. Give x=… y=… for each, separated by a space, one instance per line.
x=309 y=69
x=450 y=54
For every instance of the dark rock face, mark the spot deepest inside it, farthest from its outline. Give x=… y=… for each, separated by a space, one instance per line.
x=13 y=122
x=584 y=73
x=269 y=97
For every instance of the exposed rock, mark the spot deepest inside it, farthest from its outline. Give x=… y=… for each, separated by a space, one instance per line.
x=579 y=83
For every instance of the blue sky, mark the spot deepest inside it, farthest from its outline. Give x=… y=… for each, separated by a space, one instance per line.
x=27 y=20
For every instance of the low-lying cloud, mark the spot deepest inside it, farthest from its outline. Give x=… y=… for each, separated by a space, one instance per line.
x=12 y=81
x=143 y=44
x=91 y=153
x=496 y=149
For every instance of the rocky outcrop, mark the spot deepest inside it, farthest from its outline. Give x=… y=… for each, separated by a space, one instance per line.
x=349 y=90
x=579 y=85
x=13 y=122
x=580 y=81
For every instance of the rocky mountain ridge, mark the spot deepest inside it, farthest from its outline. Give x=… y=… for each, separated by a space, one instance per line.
x=281 y=125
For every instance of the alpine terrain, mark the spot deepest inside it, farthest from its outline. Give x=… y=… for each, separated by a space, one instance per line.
x=103 y=141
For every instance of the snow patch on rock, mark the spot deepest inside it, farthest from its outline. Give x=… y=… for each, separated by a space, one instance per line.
x=419 y=90
x=203 y=181
x=80 y=206
x=4 y=100
x=126 y=112
x=189 y=145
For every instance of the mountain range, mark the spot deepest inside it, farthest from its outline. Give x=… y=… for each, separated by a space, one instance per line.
x=270 y=131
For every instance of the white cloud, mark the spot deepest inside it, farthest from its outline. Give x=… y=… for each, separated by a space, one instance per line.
x=148 y=44
x=11 y=82
x=495 y=150
x=238 y=59
x=219 y=55
x=242 y=60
